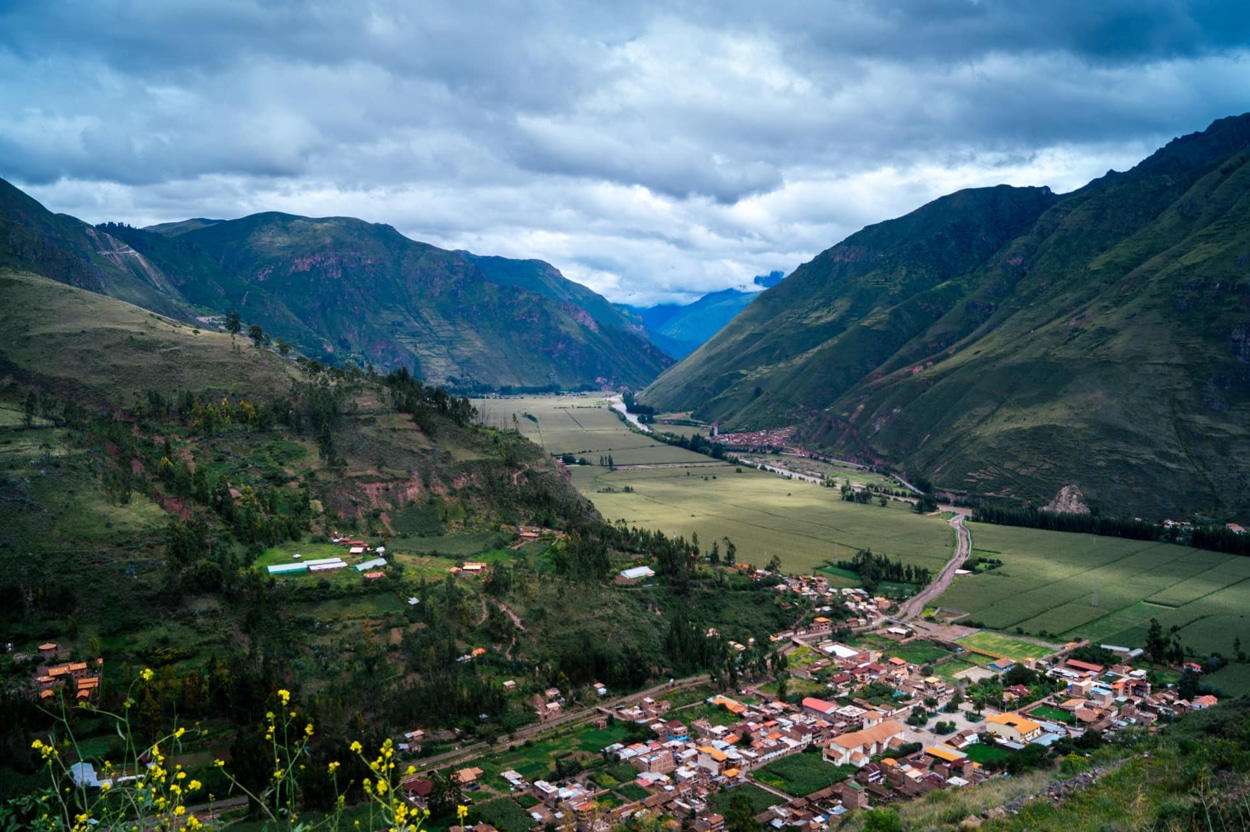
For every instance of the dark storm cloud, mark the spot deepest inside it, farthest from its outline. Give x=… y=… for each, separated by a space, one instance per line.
x=647 y=149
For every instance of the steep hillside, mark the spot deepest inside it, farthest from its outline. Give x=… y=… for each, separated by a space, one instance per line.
x=341 y=285
x=68 y=250
x=1012 y=342
x=545 y=279
x=342 y=290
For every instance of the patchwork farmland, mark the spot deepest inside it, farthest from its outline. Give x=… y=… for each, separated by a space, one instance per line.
x=1072 y=586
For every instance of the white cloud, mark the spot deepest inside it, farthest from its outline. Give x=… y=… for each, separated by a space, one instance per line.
x=650 y=154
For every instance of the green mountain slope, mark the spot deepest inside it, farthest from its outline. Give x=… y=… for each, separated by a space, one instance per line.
x=545 y=279
x=342 y=285
x=340 y=289
x=1011 y=342
x=71 y=251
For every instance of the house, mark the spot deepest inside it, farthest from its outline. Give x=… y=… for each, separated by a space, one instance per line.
x=1012 y=727
x=711 y=760
x=1084 y=667
x=856 y=747
x=852 y=794
x=637 y=573
x=819 y=707
x=417 y=790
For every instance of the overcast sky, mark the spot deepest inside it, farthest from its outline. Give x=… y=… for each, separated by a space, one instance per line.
x=650 y=151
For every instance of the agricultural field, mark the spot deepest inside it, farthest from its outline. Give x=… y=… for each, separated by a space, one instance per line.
x=1070 y=586
x=802 y=523
x=685 y=493
x=759 y=799
x=997 y=644
x=802 y=774
x=584 y=426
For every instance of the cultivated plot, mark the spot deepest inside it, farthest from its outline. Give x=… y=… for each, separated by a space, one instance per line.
x=1072 y=586
x=764 y=515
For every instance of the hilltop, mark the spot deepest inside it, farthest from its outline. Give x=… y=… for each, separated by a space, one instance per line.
x=342 y=290
x=1011 y=341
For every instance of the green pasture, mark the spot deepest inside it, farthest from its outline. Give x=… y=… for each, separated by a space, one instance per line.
x=983 y=754
x=998 y=644
x=1075 y=586
x=764 y=515
x=1230 y=679
x=1053 y=714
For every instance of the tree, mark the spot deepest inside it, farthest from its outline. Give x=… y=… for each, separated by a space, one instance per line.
x=233 y=325
x=740 y=816
x=1187 y=687
x=774 y=565
x=1156 y=645
x=29 y=408
x=283 y=347
x=257 y=335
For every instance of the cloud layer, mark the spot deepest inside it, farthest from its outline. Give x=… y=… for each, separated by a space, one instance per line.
x=651 y=151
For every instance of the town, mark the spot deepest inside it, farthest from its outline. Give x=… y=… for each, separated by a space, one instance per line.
x=883 y=728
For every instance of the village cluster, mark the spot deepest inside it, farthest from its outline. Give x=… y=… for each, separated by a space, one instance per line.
x=683 y=766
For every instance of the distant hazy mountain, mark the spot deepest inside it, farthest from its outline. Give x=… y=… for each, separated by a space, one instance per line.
x=340 y=288
x=680 y=330
x=1011 y=341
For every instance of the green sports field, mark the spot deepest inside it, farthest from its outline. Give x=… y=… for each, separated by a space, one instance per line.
x=997 y=644
x=1072 y=586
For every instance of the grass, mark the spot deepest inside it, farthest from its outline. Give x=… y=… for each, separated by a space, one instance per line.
x=918 y=652
x=504 y=814
x=1048 y=579
x=533 y=759
x=759 y=799
x=764 y=514
x=119 y=351
x=584 y=426
x=1053 y=714
x=805 y=525
x=997 y=644
x=802 y=774
x=981 y=753
x=1232 y=677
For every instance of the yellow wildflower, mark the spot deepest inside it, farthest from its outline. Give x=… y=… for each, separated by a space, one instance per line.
x=334 y=767
x=308 y=730
x=146 y=674
x=285 y=696
x=357 y=747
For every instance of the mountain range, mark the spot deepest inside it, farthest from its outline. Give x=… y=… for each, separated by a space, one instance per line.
x=1012 y=341
x=339 y=289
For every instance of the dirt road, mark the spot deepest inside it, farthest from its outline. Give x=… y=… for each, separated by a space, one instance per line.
x=916 y=604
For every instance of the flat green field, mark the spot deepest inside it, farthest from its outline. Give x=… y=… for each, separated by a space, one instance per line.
x=1050 y=581
x=1001 y=645
x=686 y=493
x=764 y=515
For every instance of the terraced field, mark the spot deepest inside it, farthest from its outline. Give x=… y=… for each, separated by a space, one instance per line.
x=1070 y=586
